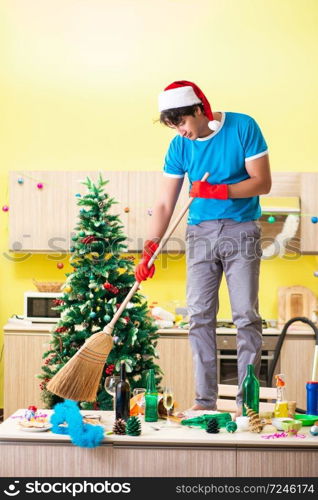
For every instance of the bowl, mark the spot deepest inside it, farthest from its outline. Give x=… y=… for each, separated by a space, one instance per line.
x=291 y=426
x=277 y=422
x=307 y=420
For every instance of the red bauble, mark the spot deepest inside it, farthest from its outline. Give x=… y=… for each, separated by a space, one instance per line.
x=110 y=369
x=111 y=288
x=60 y=265
x=61 y=329
x=88 y=240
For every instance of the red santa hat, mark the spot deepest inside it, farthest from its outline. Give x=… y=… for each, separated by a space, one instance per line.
x=182 y=93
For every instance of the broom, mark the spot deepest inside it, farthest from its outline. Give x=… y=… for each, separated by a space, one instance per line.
x=80 y=376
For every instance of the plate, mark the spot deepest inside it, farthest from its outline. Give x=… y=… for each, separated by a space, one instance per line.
x=35 y=429
x=307 y=420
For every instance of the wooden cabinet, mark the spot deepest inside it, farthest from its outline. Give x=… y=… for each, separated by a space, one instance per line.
x=176 y=363
x=309 y=209
x=43 y=220
x=296 y=363
x=22 y=363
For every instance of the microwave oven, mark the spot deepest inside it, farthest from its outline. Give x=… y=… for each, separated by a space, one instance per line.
x=38 y=307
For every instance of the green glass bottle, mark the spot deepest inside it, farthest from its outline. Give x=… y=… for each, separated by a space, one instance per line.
x=250 y=390
x=151 y=398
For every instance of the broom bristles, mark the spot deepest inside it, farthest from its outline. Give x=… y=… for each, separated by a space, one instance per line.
x=79 y=378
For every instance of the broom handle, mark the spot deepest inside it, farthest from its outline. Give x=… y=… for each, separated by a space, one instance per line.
x=162 y=243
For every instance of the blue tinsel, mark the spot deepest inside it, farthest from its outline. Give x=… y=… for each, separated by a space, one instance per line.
x=81 y=434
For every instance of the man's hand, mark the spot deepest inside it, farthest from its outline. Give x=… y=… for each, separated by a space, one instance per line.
x=203 y=189
x=142 y=272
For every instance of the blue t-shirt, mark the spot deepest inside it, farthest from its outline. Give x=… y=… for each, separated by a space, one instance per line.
x=223 y=154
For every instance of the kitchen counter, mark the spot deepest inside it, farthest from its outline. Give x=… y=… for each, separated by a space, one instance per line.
x=45 y=328
x=176 y=452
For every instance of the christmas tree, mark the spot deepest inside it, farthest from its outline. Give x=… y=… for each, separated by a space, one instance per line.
x=92 y=293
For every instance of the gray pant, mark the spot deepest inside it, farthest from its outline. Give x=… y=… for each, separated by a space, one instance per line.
x=214 y=246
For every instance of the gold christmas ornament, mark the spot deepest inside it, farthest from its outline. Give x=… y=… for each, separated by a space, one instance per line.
x=255 y=424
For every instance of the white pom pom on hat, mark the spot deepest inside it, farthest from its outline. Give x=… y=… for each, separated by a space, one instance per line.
x=183 y=93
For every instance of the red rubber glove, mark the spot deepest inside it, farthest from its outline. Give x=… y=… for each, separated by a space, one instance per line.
x=142 y=272
x=203 y=189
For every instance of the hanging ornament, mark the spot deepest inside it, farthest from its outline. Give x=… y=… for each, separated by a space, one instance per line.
x=78 y=195
x=97 y=308
x=92 y=315
x=271 y=219
x=81 y=233
x=67 y=289
x=72 y=249
x=39 y=185
x=60 y=265
x=91 y=295
x=126 y=210
x=111 y=288
x=106 y=318
x=314 y=220
x=5 y=208
x=109 y=370
x=74 y=238
x=20 y=180
x=88 y=240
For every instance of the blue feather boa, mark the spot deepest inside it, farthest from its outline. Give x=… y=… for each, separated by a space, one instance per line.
x=81 y=434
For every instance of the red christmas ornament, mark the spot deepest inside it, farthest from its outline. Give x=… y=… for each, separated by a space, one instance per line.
x=110 y=369
x=60 y=265
x=88 y=240
x=58 y=302
x=32 y=408
x=61 y=329
x=118 y=306
x=127 y=319
x=111 y=288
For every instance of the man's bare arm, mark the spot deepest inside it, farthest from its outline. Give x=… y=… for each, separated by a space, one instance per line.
x=260 y=181
x=164 y=207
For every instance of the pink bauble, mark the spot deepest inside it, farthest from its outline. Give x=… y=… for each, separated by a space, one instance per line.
x=39 y=185
x=5 y=208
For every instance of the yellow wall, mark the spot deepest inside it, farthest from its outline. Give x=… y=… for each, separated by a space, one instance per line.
x=78 y=87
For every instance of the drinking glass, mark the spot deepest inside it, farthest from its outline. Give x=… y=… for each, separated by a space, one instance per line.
x=168 y=400
x=140 y=400
x=110 y=386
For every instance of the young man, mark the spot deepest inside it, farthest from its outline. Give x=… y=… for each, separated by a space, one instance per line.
x=222 y=235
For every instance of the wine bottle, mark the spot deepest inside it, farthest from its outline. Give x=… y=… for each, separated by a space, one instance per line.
x=122 y=395
x=250 y=390
x=151 y=398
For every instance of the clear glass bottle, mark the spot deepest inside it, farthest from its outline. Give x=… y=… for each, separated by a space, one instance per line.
x=250 y=390
x=151 y=398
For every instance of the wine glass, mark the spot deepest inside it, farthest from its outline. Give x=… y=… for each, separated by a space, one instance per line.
x=140 y=401
x=110 y=386
x=168 y=400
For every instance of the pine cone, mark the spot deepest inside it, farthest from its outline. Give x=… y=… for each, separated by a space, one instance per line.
x=255 y=424
x=119 y=426
x=213 y=426
x=133 y=426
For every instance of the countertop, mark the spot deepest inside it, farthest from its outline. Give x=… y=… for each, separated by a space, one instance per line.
x=45 y=328
x=176 y=436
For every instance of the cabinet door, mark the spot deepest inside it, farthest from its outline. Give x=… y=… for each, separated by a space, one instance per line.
x=22 y=363
x=296 y=363
x=176 y=363
x=144 y=189
x=309 y=208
